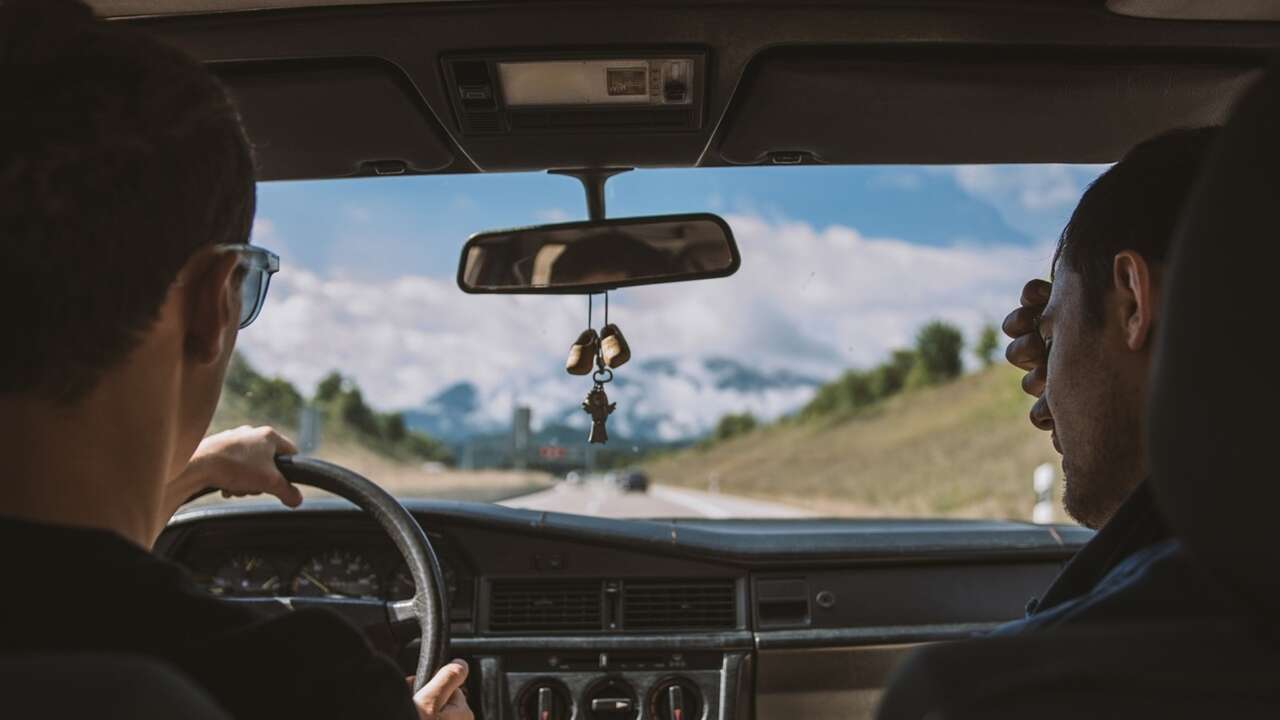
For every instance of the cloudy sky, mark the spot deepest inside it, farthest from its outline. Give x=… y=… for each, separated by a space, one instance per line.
x=840 y=265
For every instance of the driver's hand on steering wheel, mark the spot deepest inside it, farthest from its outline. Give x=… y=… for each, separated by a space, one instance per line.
x=242 y=461
x=239 y=462
x=442 y=698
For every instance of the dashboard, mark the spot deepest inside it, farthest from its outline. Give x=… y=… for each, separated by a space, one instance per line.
x=567 y=617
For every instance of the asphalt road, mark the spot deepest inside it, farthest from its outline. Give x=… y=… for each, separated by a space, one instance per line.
x=600 y=499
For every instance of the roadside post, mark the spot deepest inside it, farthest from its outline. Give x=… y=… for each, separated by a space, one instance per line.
x=309 y=429
x=521 y=420
x=1042 y=483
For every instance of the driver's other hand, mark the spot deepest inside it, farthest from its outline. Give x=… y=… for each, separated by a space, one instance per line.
x=1027 y=349
x=242 y=462
x=442 y=698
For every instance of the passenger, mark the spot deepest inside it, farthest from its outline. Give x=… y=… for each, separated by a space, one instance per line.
x=1086 y=343
x=126 y=200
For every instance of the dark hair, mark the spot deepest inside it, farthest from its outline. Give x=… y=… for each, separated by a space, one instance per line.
x=120 y=157
x=1134 y=205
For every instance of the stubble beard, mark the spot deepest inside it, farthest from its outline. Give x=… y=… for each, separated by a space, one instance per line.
x=1103 y=476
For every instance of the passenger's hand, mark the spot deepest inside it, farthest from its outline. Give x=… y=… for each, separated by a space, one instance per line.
x=442 y=697
x=1027 y=349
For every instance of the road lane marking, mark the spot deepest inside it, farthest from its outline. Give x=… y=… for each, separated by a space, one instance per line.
x=705 y=508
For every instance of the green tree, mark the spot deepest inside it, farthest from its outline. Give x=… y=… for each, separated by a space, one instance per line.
x=988 y=344
x=273 y=400
x=734 y=424
x=330 y=387
x=240 y=376
x=356 y=414
x=826 y=400
x=426 y=447
x=393 y=427
x=890 y=377
x=938 y=347
x=276 y=400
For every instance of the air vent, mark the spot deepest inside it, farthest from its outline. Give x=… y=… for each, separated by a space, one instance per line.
x=484 y=122
x=668 y=605
x=516 y=605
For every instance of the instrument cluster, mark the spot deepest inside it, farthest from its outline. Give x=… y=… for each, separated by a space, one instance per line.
x=332 y=572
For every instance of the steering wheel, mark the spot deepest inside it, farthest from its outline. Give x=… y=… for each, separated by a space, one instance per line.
x=429 y=604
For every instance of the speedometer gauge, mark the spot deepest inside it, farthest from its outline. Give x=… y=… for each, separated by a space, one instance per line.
x=337 y=573
x=401 y=585
x=246 y=576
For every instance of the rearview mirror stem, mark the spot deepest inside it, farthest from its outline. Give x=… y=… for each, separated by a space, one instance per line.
x=593 y=180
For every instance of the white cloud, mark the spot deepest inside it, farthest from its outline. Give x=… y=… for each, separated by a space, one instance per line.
x=265 y=234
x=811 y=300
x=356 y=213
x=552 y=215
x=898 y=179
x=1033 y=187
x=1034 y=198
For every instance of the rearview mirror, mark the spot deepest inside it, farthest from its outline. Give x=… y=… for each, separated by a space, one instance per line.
x=599 y=255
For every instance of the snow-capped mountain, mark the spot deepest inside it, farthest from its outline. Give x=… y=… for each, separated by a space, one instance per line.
x=658 y=400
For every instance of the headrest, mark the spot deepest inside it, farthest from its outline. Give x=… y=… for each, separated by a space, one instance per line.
x=1213 y=439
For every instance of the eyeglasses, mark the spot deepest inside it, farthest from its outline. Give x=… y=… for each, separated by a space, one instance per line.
x=259 y=265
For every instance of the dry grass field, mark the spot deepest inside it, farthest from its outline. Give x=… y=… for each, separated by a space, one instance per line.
x=963 y=449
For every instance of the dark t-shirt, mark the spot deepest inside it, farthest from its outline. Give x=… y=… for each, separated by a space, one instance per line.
x=1132 y=570
x=74 y=589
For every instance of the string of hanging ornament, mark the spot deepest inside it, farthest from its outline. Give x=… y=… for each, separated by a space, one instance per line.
x=598 y=353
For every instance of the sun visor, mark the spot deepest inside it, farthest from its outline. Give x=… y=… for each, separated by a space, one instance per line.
x=858 y=106
x=334 y=118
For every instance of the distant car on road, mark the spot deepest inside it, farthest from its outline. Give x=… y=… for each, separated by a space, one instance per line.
x=632 y=481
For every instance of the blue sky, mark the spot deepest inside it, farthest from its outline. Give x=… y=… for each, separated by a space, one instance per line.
x=381 y=227
x=840 y=265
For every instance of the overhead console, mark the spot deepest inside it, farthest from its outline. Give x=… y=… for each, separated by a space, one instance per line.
x=582 y=104
x=852 y=105
x=639 y=92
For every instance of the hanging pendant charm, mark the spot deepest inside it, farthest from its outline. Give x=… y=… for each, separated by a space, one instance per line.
x=597 y=405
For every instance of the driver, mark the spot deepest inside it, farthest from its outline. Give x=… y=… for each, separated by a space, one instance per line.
x=126 y=200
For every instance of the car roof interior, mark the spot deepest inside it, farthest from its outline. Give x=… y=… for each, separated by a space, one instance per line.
x=331 y=89
x=363 y=88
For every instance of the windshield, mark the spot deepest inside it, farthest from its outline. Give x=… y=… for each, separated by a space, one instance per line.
x=852 y=367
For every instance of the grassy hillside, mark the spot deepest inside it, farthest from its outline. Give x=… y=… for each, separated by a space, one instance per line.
x=963 y=448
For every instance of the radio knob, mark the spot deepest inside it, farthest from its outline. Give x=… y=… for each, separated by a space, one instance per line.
x=545 y=700
x=676 y=699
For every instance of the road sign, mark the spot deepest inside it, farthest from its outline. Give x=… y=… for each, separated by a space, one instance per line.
x=552 y=452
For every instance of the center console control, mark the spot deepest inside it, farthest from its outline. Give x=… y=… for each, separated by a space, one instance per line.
x=614 y=685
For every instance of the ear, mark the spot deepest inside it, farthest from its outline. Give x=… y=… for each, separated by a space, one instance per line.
x=1136 y=297
x=212 y=305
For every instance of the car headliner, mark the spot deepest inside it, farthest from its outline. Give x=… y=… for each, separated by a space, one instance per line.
x=363 y=89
